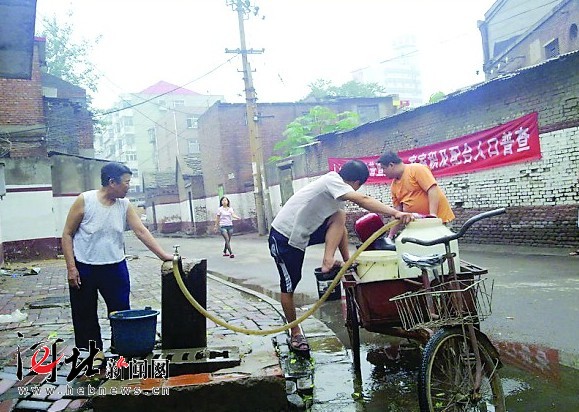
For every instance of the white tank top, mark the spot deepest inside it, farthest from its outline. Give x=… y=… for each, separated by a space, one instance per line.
x=99 y=239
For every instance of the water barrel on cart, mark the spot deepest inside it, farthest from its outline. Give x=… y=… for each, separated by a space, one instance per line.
x=424 y=229
x=375 y=265
x=324 y=280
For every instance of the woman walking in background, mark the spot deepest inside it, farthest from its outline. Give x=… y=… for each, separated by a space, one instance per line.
x=224 y=223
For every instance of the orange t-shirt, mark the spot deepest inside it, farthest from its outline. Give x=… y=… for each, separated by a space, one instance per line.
x=411 y=192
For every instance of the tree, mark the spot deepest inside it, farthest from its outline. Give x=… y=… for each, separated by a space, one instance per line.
x=324 y=89
x=304 y=129
x=435 y=97
x=67 y=59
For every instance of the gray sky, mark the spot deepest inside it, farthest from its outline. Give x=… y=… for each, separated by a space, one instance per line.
x=183 y=42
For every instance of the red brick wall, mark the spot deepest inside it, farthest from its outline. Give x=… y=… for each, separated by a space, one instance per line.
x=69 y=126
x=21 y=100
x=224 y=139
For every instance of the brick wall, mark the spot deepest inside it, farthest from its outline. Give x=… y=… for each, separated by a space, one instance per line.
x=541 y=196
x=21 y=99
x=530 y=49
x=70 y=128
x=21 y=113
x=224 y=137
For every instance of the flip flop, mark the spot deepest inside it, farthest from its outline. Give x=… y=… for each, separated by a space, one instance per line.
x=299 y=344
x=99 y=360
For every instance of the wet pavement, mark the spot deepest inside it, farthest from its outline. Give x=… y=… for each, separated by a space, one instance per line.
x=534 y=323
x=38 y=304
x=535 y=320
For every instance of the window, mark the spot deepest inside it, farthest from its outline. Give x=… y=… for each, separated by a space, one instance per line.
x=135 y=172
x=573 y=32
x=127 y=121
x=162 y=105
x=192 y=122
x=193 y=146
x=152 y=135
x=179 y=103
x=552 y=49
x=130 y=156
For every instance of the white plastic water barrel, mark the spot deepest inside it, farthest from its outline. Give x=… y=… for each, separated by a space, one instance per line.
x=375 y=265
x=424 y=229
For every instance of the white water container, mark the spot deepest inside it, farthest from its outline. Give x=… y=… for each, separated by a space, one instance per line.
x=375 y=265
x=424 y=229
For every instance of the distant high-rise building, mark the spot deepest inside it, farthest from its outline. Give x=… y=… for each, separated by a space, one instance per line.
x=398 y=75
x=148 y=130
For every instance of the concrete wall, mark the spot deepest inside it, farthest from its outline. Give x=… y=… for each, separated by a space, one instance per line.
x=28 y=224
x=39 y=194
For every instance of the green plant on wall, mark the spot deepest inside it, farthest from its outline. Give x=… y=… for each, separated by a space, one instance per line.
x=303 y=130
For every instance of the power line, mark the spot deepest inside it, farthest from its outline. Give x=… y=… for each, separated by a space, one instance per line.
x=171 y=90
x=78 y=122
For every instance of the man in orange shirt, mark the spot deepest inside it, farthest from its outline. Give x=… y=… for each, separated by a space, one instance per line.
x=414 y=189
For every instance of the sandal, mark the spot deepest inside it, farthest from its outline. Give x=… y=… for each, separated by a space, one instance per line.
x=298 y=343
x=98 y=360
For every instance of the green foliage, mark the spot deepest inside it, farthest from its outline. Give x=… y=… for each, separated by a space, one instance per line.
x=323 y=90
x=67 y=59
x=435 y=97
x=303 y=130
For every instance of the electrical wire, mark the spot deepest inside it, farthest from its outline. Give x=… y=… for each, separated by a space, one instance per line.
x=79 y=122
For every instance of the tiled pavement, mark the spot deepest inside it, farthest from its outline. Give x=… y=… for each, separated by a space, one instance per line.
x=44 y=299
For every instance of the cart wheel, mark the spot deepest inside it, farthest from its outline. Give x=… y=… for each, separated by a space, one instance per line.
x=353 y=327
x=445 y=382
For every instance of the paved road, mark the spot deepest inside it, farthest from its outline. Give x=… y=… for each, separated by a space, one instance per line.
x=535 y=293
x=43 y=299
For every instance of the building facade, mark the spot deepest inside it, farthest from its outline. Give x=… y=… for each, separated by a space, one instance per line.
x=147 y=130
x=224 y=140
x=521 y=33
x=399 y=75
x=45 y=136
x=223 y=165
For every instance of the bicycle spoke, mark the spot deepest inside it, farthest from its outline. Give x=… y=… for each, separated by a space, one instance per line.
x=450 y=376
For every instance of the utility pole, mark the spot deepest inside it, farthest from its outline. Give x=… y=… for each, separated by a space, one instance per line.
x=243 y=8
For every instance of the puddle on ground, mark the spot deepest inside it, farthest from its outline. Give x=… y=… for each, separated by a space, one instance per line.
x=534 y=378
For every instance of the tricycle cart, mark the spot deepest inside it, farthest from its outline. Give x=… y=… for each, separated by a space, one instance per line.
x=442 y=313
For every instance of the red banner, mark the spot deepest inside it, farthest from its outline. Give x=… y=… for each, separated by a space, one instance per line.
x=513 y=142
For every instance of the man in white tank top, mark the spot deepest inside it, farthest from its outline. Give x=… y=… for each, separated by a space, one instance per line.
x=94 y=249
x=316 y=214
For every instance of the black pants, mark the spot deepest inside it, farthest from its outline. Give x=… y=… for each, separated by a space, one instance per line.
x=112 y=281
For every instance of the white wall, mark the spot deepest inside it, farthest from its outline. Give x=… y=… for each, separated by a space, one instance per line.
x=25 y=214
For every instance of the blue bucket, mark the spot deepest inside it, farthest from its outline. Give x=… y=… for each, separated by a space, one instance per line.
x=134 y=331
